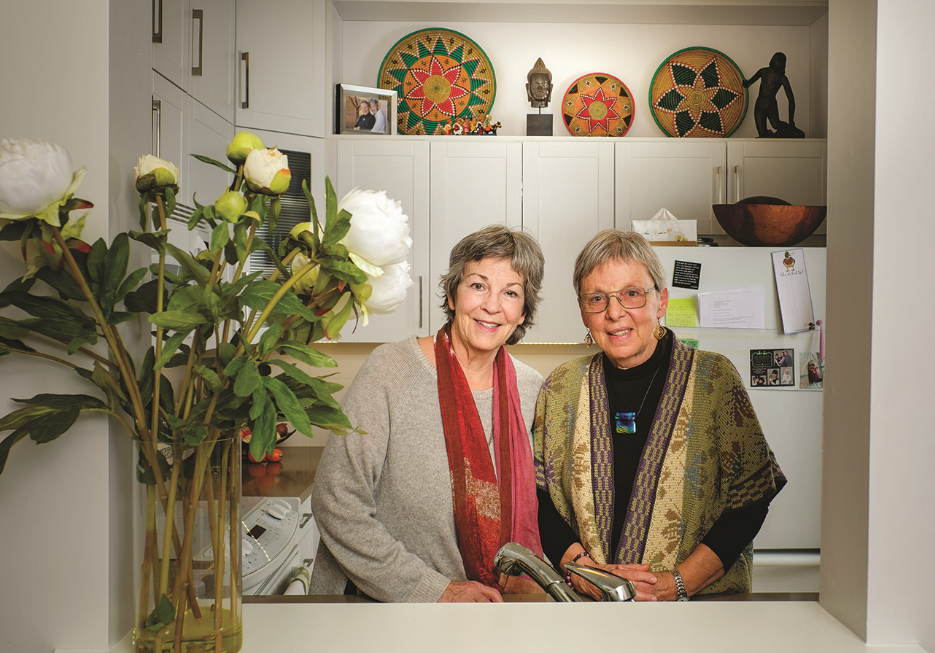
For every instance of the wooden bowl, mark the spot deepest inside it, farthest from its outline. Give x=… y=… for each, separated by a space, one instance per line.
x=768 y=222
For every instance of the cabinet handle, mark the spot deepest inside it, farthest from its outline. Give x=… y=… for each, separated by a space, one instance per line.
x=306 y=517
x=420 y=301
x=157 y=126
x=245 y=57
x=737 y=182
x=198 y=15
x=157 y=21
x=720 y=186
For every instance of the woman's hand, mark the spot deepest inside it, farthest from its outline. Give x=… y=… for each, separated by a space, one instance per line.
x=469 y=591
x=519 y=585
x=643 y=580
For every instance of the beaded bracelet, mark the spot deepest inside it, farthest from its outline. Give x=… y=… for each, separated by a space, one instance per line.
x=583 y=554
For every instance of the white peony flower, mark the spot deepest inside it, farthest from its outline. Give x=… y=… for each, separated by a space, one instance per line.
x=35 y=179
x=389 y=289
x=379 y=233
x=267 y=171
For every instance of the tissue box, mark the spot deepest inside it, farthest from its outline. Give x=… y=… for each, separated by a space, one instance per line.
x=665 y=229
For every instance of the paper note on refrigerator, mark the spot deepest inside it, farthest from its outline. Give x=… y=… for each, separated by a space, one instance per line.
x=795 y=296
x=731 y=309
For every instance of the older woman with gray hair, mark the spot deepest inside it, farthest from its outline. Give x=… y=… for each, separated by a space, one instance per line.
x=650 y=461
x=415 y=506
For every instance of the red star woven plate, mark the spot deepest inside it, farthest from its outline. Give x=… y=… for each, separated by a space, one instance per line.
x=698 y=93
x=438 y=75
x=598 y=105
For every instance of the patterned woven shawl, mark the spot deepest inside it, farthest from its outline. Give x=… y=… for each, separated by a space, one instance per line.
x=705 y=455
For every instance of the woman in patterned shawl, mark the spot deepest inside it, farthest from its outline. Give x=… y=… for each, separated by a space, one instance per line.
x=650 y=461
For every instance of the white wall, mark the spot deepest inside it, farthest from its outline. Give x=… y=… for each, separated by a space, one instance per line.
x=902 y=485
x=631 y=53
x=878 y=520
x=65 y=570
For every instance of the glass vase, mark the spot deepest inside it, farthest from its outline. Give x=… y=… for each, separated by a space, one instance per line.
x=189 y=583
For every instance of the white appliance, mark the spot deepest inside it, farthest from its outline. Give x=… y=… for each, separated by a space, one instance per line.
x=279 y=535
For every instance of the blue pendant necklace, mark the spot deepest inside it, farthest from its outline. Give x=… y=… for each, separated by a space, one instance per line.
x=626 y=422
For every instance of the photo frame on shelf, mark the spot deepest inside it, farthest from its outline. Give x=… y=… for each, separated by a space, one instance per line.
x=352 y=118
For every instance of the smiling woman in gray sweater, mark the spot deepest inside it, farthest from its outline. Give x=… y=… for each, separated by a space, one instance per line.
x=410 y=509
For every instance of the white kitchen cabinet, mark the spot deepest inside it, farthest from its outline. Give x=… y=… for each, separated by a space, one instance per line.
x=193 y=47
x=281 y=66
x=568 y=197
x=401 y=168
x=170 y=136
x=795 y=171
x=685 y=176
x=475 y=182
x=209 y=135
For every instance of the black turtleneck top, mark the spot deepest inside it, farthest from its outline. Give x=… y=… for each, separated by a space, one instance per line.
x=639 y=390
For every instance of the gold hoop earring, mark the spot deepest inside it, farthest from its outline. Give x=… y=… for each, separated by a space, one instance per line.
x=660 y=331
x=588 y=340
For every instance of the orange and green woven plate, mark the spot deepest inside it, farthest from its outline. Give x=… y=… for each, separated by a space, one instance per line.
x=598 y=104
x=439 y=75
x=698 y=93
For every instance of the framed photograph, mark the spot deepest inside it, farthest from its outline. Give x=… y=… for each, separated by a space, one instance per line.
x=363 y=110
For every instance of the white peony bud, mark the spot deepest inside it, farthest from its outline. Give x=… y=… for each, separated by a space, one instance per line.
x=267 y=171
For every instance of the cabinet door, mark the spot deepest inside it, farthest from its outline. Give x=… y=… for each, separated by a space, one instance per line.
x=281 y=51
x=681 y=175
x=212 y=60
x=171 y=30
x=792 y=170
x=208 y=134
x=401 y=168
x=170 y=136
x=475 y=183
x=568 y=197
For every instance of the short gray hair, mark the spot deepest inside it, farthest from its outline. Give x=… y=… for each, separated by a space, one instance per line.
x=498 y=241
x=616 y=244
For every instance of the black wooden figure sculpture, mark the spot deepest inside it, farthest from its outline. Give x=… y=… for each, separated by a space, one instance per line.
x=771 y=80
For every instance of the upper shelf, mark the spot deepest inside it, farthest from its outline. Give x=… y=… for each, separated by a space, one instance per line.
x=684 y=12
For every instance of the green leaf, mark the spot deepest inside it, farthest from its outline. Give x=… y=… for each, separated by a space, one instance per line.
x=233 y=368
x=144 y=472
x=189 y=264
x=263 y=414
x=14 y=230
x=145 y=377
x=222 y=166
x=259 y=295
x=337 y=230
x=46 y=307
x=195 y=434
x=68 y=331
x=96 y=265
x=6 y=344
x=220 y=236
x=269 y=339
x=51 y=426
x=143 y=299
x=330 y=418
x=292 y=371
x=144 y=211
x=169 y=348
x=8 y=443
x=288 y=404
x=132 y=280
x=210 y=378
x=153 y=239
x=275 y=208
x=61 y=281
x=164 y=613
x=178 y=320
x=344 y=269
x=119 y=317
x=248 y=379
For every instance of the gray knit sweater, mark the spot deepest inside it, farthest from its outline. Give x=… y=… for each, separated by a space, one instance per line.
x=382 y=499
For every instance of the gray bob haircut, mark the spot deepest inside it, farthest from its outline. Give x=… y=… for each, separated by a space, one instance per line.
x=616 y=244
x=498 y=241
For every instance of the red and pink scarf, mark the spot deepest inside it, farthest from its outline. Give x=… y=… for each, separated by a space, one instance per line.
x=490 y=509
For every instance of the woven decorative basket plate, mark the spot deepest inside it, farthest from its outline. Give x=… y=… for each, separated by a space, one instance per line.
x=698 y=93
x=598 y=105
x=438 y=75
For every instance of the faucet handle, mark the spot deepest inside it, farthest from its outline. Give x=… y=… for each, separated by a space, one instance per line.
x=612 y=587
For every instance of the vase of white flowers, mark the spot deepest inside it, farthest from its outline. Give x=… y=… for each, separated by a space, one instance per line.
x=231 y=350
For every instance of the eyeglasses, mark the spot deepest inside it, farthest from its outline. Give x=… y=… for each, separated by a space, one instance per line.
x=597 y=302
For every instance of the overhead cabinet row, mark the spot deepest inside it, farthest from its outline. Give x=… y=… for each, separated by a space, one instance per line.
x=563 y=192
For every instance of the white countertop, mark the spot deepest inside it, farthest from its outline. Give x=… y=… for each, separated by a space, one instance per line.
x=724 y=627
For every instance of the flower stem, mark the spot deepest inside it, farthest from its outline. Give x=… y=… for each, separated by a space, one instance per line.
x=283 y=289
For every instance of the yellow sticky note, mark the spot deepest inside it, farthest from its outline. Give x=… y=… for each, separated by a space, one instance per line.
x=682 y=312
